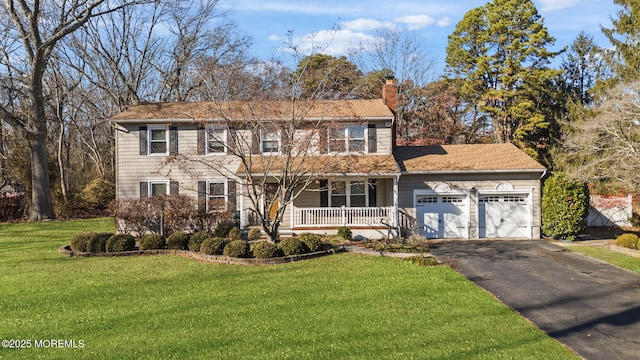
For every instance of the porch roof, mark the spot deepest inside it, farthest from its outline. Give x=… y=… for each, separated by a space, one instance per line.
x=465 y=158
x=255 y=110
x=326 y=165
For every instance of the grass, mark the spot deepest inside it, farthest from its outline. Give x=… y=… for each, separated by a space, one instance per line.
x=610 y=256
x=343 y=306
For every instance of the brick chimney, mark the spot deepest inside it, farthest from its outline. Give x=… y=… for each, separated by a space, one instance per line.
x=390 y=93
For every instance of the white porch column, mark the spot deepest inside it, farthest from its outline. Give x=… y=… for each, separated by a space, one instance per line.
x=394 y=220
x=240 y=199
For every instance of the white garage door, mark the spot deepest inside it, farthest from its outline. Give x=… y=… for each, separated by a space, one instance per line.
x=441 y=217
x=504 y=216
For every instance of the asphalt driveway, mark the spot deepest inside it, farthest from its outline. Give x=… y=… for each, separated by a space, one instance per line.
x=588 y=305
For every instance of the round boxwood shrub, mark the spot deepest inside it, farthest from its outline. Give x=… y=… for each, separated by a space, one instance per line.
x=627 y=240
x=292 y=246
x=345 y=233
x=222 y=230
x=235 y=234
x=120 y=242
x=266 y=250
x=196 y=240
x=312 y=241
x=152 y=241
x=565 y=206
x=80 y=241
x=254 y=234
x=213 y=246
x=98 y=242
x=237 y=248
x=178 y=241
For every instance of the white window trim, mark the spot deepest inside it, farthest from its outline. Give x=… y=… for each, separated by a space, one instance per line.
x=347 y=139
x=262 y=139
x=150 y=140
x=348 y=191
x=225 y=196
x=150 y=184
x=224 y=140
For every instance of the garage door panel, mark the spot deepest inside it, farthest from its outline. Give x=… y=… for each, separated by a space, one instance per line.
x=442 y=216
x=503 y=216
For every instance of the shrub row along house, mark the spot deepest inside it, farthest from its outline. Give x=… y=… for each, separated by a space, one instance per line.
x=316 y=166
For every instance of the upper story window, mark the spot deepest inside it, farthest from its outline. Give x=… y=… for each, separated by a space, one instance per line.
x=158 y=139
x=348 y=139
x=270 y=141
x=216 y=140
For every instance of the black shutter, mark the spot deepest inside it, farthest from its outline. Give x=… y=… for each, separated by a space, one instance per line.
x=173 y=140
x=231 y=139
x=373 y=141
x=143 y=140
x=174 y=188
x=373 y=192
x=255 y=142
x=284 y=141
x=231 y=187
x=323 y=142
x=324 y=193
x=202 y=196
x=202 y=140
x=144 y=189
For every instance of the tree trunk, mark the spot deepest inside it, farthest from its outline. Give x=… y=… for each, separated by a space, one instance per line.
x=41 y=204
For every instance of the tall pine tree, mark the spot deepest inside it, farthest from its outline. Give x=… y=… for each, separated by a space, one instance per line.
x=500 y=50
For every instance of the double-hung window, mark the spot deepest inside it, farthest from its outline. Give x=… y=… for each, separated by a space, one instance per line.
x=270 y=141
x=216 y=195
x=348 y=139
x=158 y=187
x=216 y=139
x=158 y=140
x=348 y=193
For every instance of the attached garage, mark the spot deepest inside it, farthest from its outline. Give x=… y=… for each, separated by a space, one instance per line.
x=481 y=191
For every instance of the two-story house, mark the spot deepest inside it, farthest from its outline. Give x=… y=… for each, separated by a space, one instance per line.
x=356 y=176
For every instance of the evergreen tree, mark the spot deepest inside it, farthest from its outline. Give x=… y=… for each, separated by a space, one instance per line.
x=501 y=52
x=624 y=36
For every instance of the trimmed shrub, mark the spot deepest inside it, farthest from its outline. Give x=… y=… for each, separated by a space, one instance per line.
x=266 y=250
x=422 y=260
x=120 y=242
x=237 y=248
x=152 y=241
x=565 y=205
x=254 y=234
x=292 y=246
x=345 y=233
x=178 y=241
x=98 y=243
x=627 y=240
x=223 y=229
x=213 y=246
x=312 y=241
x=80 y=241
x=235 y=234
x=196 y=240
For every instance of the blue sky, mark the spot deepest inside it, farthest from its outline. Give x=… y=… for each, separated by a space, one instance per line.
x=268 y=21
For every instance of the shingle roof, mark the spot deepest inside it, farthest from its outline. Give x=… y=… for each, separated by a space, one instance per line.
x=256 y=110
x=473 y=158
x=325 y=164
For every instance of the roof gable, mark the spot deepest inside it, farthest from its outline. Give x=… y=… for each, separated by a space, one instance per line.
x=257 y=110
x=461 y=158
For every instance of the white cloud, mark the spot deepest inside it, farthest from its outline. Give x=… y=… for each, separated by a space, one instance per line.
x=276 y=38
x=367 y=24
x=334 y=43
x=445 y=21
x=416 y=22
x=552 y=5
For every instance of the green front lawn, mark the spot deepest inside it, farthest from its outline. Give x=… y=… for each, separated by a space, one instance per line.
x=158 y=307
x=610 y=256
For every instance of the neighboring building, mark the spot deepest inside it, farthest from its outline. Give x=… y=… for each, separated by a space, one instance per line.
x=358 y=178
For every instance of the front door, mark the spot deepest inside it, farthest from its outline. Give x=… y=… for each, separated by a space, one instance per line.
x=271 y=200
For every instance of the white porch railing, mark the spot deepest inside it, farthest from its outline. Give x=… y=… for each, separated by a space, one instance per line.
x=342 y=216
